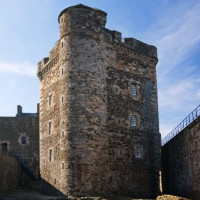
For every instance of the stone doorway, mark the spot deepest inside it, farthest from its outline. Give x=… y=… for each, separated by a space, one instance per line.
x=4 y=147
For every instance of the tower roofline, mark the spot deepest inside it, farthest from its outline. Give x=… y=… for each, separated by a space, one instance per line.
x=81 y=6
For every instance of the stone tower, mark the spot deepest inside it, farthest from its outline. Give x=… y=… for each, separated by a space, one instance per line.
x=99 y=129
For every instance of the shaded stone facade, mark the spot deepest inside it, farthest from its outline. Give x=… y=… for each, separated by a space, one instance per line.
x=99 y=129
x=19 y=137
x=180 y=163
x=10 y=172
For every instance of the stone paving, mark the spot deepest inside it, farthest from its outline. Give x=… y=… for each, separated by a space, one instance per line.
x=35 y=195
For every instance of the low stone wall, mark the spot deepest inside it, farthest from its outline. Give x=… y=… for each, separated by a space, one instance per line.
x=170 y=197
x=10 y=172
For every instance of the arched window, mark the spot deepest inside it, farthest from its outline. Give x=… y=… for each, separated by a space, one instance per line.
x=133 y=90
x=24 y=140
x=133 y=121
x=138 y=151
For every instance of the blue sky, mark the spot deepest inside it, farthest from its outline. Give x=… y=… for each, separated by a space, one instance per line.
x=29 y=30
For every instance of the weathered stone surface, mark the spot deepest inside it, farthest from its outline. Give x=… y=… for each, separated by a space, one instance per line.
x=10 y=172
x=87 y=143
x=170 y=197
x=32 y=195
x=16 y=130
x=180 y=163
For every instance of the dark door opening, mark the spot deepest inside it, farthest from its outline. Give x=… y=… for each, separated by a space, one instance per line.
x=4 y=147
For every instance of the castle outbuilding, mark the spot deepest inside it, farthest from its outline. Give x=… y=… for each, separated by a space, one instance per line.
x=19 y=143
x=99 y=130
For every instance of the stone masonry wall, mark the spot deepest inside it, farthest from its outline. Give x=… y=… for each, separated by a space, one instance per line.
x=131 y=69
x=10 y=172
x=15 y=129
x=87 y=143
x=180 y=163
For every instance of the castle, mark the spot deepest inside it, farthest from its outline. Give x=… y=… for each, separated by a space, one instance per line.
x=97 y=123
x=98 y=111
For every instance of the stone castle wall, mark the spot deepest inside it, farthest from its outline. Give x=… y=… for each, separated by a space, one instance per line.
x=87 y=143
x=10 y=172
x=180 y=163
x=140 y=175
x=14 y=131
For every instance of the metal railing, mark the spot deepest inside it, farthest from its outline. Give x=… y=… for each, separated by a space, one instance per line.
x=188 y=120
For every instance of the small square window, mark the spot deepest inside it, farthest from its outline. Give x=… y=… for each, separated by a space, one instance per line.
x=133 y=90
x=133 y=120
x=50 y=127
x=138 y=151
x=50 y=155
x=24 y=140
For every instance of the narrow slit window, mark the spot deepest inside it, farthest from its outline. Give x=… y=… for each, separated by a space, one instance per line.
x=138 y=152
x=63 y=134
x=50 y=99
x=50 y=127
x=133 y=90
x=62 y=71
x=62 y=99
x=50 y=155
x=133 y=121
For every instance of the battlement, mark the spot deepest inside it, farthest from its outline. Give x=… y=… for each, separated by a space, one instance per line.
x=81 y=7
x=84 y=19
x=148 y=50
x=79 y=18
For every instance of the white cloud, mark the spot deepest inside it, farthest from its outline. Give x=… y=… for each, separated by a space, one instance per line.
x=184 y=94
x=23 y=68
x=177 y=37
x=176 y=102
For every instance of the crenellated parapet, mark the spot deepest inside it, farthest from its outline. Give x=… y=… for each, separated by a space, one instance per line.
x=141 y=47
x=86 y=21
x=79 y=18
x=45 y=65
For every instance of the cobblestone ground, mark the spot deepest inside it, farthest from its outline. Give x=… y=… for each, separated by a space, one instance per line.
x=34 y=195
x=27 y=195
